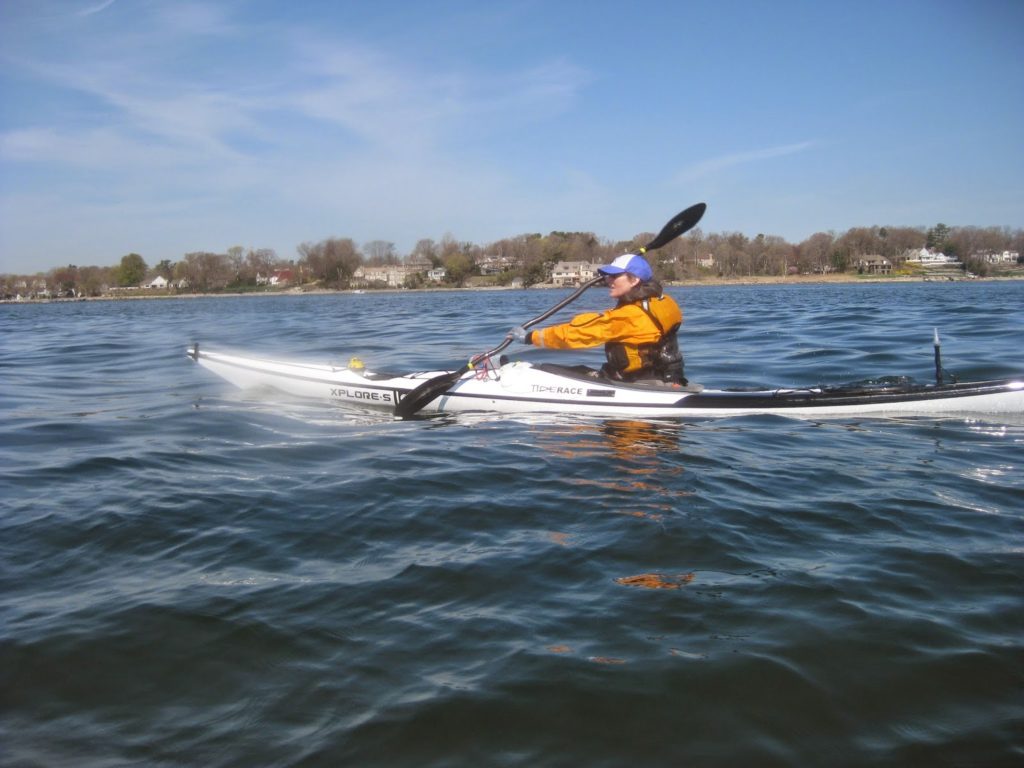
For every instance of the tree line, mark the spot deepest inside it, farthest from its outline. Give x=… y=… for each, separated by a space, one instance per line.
x=333 y=263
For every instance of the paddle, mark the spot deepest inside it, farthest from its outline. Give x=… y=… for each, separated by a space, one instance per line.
x=435 y=387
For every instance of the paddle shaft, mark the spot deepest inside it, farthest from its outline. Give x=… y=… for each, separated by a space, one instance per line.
x=432 y=388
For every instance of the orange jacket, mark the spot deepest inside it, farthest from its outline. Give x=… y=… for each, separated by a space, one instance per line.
x=628 y=325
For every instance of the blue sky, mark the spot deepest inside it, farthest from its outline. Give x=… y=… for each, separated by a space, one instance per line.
x=163 y=127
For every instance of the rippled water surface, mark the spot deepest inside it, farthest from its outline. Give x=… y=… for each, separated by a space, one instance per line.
x=194 y=575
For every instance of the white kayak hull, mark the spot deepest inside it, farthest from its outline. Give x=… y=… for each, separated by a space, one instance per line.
x=520 y=387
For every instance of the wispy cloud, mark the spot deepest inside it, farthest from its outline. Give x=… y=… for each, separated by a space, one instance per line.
x=197 y=18
x=136 y=106
x=722 y=162
x=97 y=8
x=320 y=130
x=393 y=104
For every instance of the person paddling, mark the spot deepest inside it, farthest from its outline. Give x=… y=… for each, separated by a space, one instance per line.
x=639 y=333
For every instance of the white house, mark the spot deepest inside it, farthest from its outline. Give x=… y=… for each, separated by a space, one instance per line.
x=277 y=277
x=158 y=282
x=926 y=257
x=1006 y=257
x=573 y=272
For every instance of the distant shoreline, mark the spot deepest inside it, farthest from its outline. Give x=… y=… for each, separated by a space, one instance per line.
x=714 y=281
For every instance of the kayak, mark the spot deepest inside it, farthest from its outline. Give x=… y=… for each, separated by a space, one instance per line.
x=522 y=387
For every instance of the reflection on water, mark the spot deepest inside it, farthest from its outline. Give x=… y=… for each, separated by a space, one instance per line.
x=636 y=445
x=638 y=441
x=656 y=580
x=620 y=454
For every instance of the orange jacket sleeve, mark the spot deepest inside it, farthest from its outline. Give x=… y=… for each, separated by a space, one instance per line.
x=626 y=324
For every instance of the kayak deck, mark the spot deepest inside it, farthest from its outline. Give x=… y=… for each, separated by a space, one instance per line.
x=521 y=387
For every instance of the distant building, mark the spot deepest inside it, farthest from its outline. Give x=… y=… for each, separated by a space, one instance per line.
x=391 y=275
x=874 y=265
x=418 y=263
x=1006 y=257
x=495 y=265
x=927 y=257
x=159 y=282
x=573 y=272
x=277 y=277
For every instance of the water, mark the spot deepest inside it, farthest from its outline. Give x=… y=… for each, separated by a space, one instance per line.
x=193 y=575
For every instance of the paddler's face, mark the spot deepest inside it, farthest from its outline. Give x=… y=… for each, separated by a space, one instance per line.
x=620 y=284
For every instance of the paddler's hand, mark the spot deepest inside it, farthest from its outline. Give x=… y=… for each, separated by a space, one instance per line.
x=520 y=334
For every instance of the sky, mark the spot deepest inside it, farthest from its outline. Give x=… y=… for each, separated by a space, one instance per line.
x=163 y=127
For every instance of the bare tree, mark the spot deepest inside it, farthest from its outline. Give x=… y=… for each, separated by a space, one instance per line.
x=205 y=271
x=63 y=280
x=332 y=261
x=813 y=254
x=260 y=262
x=899 y=240
x=427 y=250
x=92 y=281
x=380 y=253
x=968 y=241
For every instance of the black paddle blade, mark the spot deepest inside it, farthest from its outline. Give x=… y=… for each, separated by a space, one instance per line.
x=425 y=392
x=681 y=222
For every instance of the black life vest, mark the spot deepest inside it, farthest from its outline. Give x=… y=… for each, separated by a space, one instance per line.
x=662 y=360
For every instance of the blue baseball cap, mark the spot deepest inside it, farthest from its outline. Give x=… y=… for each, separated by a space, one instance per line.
x=629 y=262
